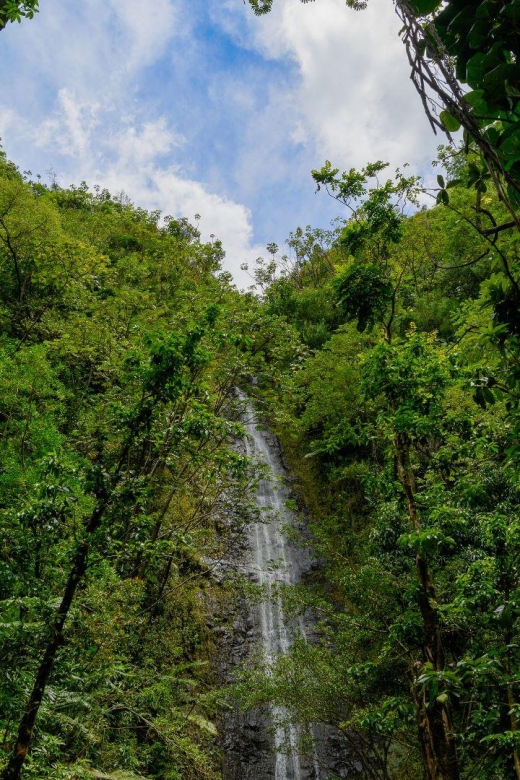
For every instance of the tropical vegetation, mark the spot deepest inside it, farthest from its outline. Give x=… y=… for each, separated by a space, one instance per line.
x=386 y=357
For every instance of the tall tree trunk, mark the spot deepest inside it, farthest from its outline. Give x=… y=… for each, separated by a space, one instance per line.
x=433 y=717
x=26 y=728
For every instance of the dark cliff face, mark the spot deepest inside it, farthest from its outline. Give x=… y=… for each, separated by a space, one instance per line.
x=252 y=748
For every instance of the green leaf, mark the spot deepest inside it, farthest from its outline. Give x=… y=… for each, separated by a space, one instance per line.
x=478 y=33
x=425 y=7
x=120 y=774
x=492 y=136
x=475 y=99
x=513 y=195
x=450 y=123
x=203 y=723
x=475 y=70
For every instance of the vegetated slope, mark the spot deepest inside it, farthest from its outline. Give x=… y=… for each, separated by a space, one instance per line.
x=387 y=360
x=401 y=424
x=120 y=344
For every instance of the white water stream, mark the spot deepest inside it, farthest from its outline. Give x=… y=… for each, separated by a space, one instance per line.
x=275 y=563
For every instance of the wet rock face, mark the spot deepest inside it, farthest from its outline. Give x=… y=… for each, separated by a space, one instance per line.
x=250 y=745
x=249 y=753
x=247 y=744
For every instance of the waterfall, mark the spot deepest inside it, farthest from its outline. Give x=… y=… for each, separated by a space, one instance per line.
x=251 y=751
x=275 y=563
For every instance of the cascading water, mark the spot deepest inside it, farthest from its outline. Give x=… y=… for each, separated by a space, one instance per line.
x=250 y=749
x=276 y=563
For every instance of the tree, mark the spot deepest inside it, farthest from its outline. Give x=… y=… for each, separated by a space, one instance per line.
x=475 y=44
x=410 y=381
x=411 y=485
x=367 y=288
x=116 y=421
x=173 y=366
x=15 y=11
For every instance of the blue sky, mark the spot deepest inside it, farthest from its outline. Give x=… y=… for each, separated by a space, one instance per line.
x=198 y=107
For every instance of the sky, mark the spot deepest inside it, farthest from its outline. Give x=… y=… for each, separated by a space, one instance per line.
x=200 y=107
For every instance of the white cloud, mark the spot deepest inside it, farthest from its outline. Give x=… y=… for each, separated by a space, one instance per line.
x=70 y=126
x=136 y=147
x=166 y=188
x=316 y=81
x=129 y=158
x=95 y=130
x=97 y=48
x=144 y=30
x=353 y=94
x=8 y=118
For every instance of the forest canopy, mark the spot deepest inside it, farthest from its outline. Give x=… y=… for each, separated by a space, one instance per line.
x=384 y=353
x=121 y=344
x=402 y=427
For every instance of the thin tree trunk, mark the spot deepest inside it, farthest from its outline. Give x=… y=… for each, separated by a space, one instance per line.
x=433 y=717
x=514 y=727
x=26 y=728
x=428 y=756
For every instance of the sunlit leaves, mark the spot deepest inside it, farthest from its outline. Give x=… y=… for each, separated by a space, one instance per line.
x=117 y=371
x=363 y=295
x=15 y=11
x=450 y=122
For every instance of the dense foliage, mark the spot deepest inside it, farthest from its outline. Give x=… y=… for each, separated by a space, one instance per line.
x=402 y=427
x=387 y=358
x=121 y=342
x=15 y=11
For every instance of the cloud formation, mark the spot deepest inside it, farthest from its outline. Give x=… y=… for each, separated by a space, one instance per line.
x=197 y=106
x=353 y=92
